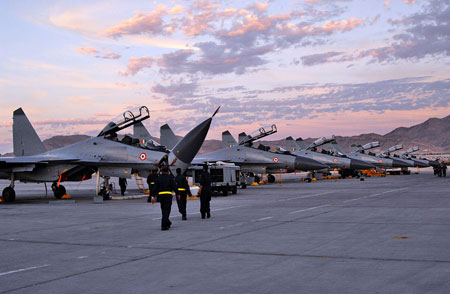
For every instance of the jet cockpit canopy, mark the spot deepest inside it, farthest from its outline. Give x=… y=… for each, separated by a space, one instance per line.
x=124 y=120
x=258 y=134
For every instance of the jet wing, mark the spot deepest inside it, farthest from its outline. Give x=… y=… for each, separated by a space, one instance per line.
x=36 y=159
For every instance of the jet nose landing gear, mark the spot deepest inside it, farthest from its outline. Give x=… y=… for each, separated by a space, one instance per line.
x=58 y=191
x=9 y=195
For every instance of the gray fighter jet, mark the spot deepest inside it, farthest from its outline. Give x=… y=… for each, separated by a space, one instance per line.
x=347 y=166
x=387 y=154
x=103 y=154
x=363 y=153
x=418 y=162
x=257 y=160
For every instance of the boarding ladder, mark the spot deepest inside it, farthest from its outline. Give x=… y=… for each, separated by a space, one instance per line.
x=278 y=178
x=141 y=185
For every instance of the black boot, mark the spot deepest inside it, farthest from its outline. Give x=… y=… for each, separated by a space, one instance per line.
x=208 y=215
x=203 y=216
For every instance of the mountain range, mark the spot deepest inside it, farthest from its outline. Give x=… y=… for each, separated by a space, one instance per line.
x=431 y=136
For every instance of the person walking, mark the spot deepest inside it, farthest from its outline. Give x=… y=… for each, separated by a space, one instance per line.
x=164 y=186
x=183 y=191
x=205 y=192
x=123 y=185
x=444 y=169
x=151 y=179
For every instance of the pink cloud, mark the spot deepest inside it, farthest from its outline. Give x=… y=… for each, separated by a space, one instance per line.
x=151 y=23
x=87 y=50
x=97 y=53
x=137 y=64
x=409 y=1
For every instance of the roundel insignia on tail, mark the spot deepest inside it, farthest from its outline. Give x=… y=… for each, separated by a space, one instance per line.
x=335 y=160
x=143 y=156
x=380 y=161
x=276 y=159
x=292 y=149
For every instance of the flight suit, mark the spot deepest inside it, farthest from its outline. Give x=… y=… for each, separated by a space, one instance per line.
x=123 y=185
x=205 y=194
x=164 y=185
x=151 y=179
x=183 y=191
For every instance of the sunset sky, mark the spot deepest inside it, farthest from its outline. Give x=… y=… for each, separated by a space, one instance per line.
x=313 y=67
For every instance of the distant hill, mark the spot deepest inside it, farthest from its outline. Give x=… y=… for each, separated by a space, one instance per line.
x=433 y=135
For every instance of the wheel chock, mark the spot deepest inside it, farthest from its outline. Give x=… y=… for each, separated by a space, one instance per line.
x=313 y=179
x=254 y=184
x=192 y=198
x=1 y=199
x=66 y=196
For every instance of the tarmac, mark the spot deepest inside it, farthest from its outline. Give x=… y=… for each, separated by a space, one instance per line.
x=381 y=235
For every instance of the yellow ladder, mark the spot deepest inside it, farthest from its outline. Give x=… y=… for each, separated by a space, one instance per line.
x=141 y=185
x=278 y=178
x=264 y=179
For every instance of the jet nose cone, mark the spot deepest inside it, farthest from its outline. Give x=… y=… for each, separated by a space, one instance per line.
x=399 y=163
x=360 y=164
x=188 y=147
x=420 y=163
x=433 y=163
x=306 y=164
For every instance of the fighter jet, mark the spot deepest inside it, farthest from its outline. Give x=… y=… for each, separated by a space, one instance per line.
x=103 y=154
x=363 y=153
x=347 y=166
x=387 y=154
x=418 y=162
x=257 y=160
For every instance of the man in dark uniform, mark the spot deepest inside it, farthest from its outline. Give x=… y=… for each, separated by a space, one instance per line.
x=152 y=176
x=183 y=191
x=164 y=185
x=205 y=192
x=123 y=185
x=444 y=169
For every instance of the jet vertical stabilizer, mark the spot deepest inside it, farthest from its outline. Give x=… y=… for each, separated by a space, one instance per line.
x=184 y=151
x=228 y=140
x=301 y=143
x=25 y=139
x=140 y=132
x=292 y=145
x=242 y=137
x=167 y=138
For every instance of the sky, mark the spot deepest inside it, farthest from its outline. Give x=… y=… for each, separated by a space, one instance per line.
x=312 y=67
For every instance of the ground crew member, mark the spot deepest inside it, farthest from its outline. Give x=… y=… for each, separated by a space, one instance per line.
x=123 y=185
x=164 y=185
x=152 y=176
x=205 y=192
x=183 y=191
x=444 y=169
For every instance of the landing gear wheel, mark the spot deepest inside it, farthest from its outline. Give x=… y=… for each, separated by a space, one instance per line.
x=243 y=186
x=58 y=191
x=271 y=178
x=225 y=191
x=257 y=179
x=9 y=195
x=308 y=180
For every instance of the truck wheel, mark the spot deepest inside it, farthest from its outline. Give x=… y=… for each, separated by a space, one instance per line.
x=243 y=186
x=234 y=190
x=225 y=191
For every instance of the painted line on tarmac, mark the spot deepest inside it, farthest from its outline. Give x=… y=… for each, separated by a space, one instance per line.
x=264 y=218
x=311 y=208
x=307 y=196
x=373 y=195
x=23 y=269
